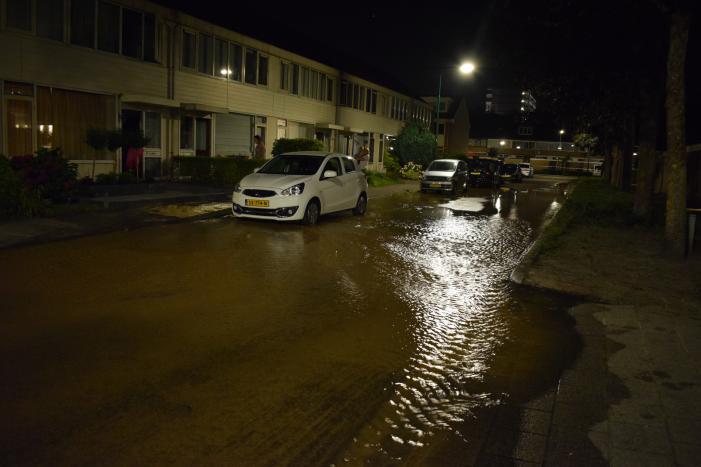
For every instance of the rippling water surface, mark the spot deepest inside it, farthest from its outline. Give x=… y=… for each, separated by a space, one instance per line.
x=383 y=339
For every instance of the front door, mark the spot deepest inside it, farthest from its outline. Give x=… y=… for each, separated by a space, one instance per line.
x=331 y=189
x=131 y=124
x=203 y=137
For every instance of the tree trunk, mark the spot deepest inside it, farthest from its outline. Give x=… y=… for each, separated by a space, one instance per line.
x=617 y=167
x=645 y=179
x=675 y=164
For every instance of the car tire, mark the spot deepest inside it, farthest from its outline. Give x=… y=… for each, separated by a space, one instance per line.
x=361 y=206
x=311 y=213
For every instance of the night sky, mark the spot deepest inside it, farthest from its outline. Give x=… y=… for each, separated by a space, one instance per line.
x=513 y=43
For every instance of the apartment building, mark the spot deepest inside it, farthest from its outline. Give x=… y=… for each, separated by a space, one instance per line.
x=193 y=88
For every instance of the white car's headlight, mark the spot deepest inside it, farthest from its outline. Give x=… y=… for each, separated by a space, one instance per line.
x=237 y=188
x=293 y=190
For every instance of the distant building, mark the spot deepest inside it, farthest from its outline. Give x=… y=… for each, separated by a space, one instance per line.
x=453 y=124
x=509 y=102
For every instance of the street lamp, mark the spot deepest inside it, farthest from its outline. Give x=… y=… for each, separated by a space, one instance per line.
x=465 y=68
x=562 y=132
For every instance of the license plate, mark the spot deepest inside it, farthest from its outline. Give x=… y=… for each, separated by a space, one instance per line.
x=475 y=173
x=259 y=203
x=435 y=185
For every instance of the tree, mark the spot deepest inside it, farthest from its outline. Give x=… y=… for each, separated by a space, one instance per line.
x=675 y=158
x=97 y=140
x=587 y=143
x=415 y=143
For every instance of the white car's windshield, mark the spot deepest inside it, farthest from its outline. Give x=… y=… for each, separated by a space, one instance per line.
x=442 y=166
x=292 y=165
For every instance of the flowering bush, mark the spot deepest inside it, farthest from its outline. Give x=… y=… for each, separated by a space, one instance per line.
x=47 y=174
x=411 y=171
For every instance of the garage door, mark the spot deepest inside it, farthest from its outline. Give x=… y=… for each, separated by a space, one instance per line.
x=232 y=135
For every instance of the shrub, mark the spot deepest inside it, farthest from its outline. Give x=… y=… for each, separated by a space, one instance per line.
x=106 y=179
x=391 y=164
x=217 y=170
x=15 y=198
x=48 y=174
x=126 y=178
x=284 y=145
x=410 y=171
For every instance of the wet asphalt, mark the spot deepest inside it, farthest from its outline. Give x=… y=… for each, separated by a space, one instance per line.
x=391 y=338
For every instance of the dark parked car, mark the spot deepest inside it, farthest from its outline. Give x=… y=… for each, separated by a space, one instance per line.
x=485 y=172
x=445 y=175
x=511 y=173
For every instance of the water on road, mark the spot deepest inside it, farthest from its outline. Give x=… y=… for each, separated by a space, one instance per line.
x=384 y=339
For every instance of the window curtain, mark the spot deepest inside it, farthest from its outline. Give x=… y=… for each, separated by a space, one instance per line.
x=19 y=127
x=64 y=117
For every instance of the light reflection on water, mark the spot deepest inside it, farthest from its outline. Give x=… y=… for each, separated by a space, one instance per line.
x=451 y=271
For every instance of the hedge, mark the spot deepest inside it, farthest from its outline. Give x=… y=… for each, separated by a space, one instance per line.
x=216 y=170
x=284 y=145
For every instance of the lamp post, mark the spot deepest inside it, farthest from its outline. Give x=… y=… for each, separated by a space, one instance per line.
x=466 y=68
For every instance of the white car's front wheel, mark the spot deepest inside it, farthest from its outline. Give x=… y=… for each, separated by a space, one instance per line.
x=361 y=206
x=311 y=214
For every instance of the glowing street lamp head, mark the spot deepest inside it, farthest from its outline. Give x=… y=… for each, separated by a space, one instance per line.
x=467 y=68
x=502 y=143
x=562 y=132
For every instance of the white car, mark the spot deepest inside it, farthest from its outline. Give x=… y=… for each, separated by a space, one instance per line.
x=526 y=169
x=301 y=186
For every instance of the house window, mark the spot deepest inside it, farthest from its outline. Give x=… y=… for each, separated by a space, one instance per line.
x=152 y=129
x=108 y=27
x=235 y=61
x=50 y=19
x=187 y=133
x=285 y=76
x=251 y=66
x=19 y=127
x=149 y=38
x=188 y=50
x=295 y=79
x=346 y=94
x=329 y=90
x=221 y=67
x=441 y=129
x=263 y=70
x=19 y=14
x=204 y=54
x=305 y=82
x=83 y=23
x=356 y=96
x=64 y=117
x=132 y=33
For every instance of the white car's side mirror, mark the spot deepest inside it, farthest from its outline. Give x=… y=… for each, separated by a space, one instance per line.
x=330 y=174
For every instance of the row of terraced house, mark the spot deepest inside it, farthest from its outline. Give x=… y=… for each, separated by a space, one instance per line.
x=193 y=88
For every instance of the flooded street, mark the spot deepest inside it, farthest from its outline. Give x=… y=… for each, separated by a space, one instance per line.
x=395 y=338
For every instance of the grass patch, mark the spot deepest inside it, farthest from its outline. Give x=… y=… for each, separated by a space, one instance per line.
x=593 y=201
x=376 y=179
